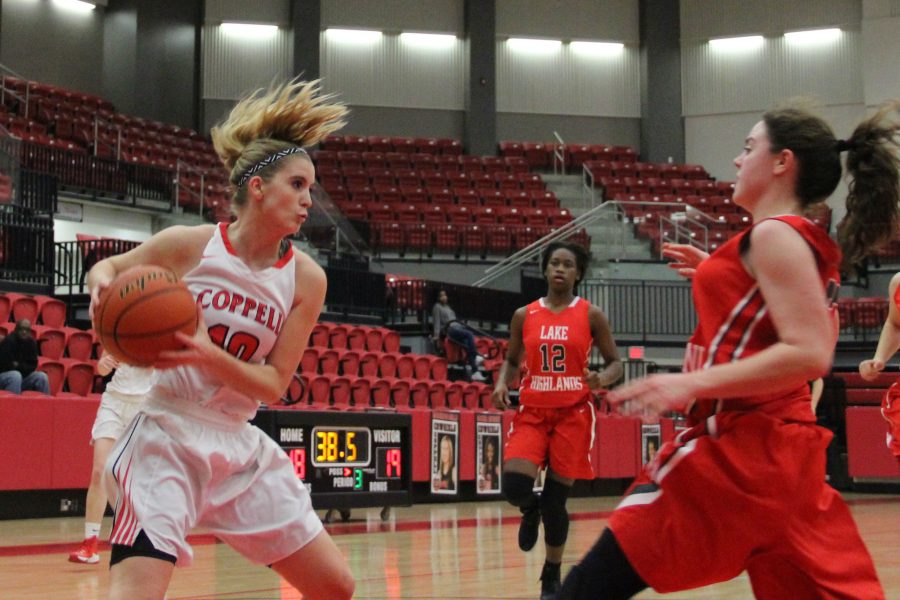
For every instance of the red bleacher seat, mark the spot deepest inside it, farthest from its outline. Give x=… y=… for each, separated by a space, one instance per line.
x=5 y=307
x=297 y=393
x=400 y=392
x=406 y=368
x=349 y=363
x=51 y=342
x=79 y=377
x=23 y=306
x=381 y=392
x=79 y=344
x=361 y=392
x=309 y=362
x=56 y=373
x=330 y=361
x=387 y=364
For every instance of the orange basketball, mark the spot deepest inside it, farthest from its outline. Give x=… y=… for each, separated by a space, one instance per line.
x=140 y=312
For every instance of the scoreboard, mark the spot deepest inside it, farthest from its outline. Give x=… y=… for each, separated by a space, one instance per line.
x=346 y=459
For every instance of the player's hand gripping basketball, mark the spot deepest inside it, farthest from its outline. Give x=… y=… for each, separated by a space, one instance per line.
x=99 y=283
x=686 y=258
x=653 y=396
x=198 y=348
x=869 y=369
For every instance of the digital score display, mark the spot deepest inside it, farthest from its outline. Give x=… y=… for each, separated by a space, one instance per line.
x=346 y=460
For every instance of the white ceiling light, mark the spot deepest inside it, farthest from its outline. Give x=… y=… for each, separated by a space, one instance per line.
x=597 y=48
x=534 y=45
x=813 y=36
x=747 y=42
x=255 y=30
x=353 y=36
x=428 y=40
x=77 y=5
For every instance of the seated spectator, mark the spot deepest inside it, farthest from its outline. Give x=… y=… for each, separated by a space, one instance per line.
x=18 y=361
x=443 y=319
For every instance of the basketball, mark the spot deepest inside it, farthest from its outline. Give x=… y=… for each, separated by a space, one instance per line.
x=140 y=312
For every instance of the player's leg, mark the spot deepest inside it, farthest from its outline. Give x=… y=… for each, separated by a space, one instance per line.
x=556 y=529
x=139 y=571
x=95 y=505
x=518 y=486
x=318 y=570
x=37 y=381
x=604 y=572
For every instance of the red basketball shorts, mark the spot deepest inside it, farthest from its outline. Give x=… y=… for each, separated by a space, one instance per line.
x=744 y=491
x=561 y=437
x=890 y=410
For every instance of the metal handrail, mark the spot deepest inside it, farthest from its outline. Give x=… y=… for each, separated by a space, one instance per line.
x=586 y=189
x=559 y=153
x=180 y=166
x=600 y=211
x=535 y=247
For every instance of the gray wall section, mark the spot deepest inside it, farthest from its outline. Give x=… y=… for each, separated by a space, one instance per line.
x=306 y=15
x=167 y=61
x=43 y=42
x=215 y=111
x=412 y=122
x=395 y=15
x=574 y=130
x=481 y=95
x=120 y=73
x=662 y=127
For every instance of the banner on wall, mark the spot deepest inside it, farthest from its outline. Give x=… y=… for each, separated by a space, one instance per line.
x=444 y=453
x=488 y=453
x=651 y=438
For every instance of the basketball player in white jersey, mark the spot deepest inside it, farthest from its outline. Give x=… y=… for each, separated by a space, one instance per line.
x=190 y=457
x=118 y=406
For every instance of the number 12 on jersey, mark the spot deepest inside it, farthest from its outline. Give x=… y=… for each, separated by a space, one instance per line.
x=553 y=358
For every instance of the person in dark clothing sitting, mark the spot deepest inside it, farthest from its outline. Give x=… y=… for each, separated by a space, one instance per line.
x=18 y=361
x=443 y=320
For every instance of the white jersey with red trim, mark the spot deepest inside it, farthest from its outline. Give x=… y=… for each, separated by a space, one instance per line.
x=244 y=312
x=130 y=380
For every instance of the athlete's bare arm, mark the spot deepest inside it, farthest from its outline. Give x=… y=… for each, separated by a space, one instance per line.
x=603 y=341
x=888 y=341
x=509 y=370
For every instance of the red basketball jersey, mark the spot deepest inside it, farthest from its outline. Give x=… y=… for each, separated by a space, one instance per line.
x=734 y=321
x=557 y=347
x=897 y=297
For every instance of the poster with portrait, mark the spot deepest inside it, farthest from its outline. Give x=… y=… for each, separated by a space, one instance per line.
x=651 y=439
x=444 y=453
x=488 y=453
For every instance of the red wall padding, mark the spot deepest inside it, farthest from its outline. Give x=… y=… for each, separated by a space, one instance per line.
x=45 y=442
x=867 y=451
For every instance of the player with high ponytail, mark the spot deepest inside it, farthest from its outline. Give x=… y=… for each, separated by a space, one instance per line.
x=190 y=457
x=743 y=488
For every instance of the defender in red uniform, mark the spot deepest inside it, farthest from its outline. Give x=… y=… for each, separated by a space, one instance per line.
x=555 y=423
x=744 y=488
x=888 y=344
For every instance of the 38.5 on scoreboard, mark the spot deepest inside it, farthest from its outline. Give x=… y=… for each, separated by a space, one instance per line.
x=346 y=459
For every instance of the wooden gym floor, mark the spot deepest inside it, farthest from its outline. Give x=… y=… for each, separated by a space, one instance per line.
x=461 y=551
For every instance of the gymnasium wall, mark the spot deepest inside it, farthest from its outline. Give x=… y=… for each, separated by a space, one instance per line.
x=725 y=91
x=43 y=41
x=586 y=96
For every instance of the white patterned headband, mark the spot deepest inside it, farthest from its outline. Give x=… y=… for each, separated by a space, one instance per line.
x=272 y=158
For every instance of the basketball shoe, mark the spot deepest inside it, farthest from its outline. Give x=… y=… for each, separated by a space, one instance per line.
x=528 y=528
x=86 y=553
x=550 y=581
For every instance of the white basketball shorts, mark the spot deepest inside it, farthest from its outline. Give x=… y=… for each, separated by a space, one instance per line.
x=169 y=474
x=114 y=414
